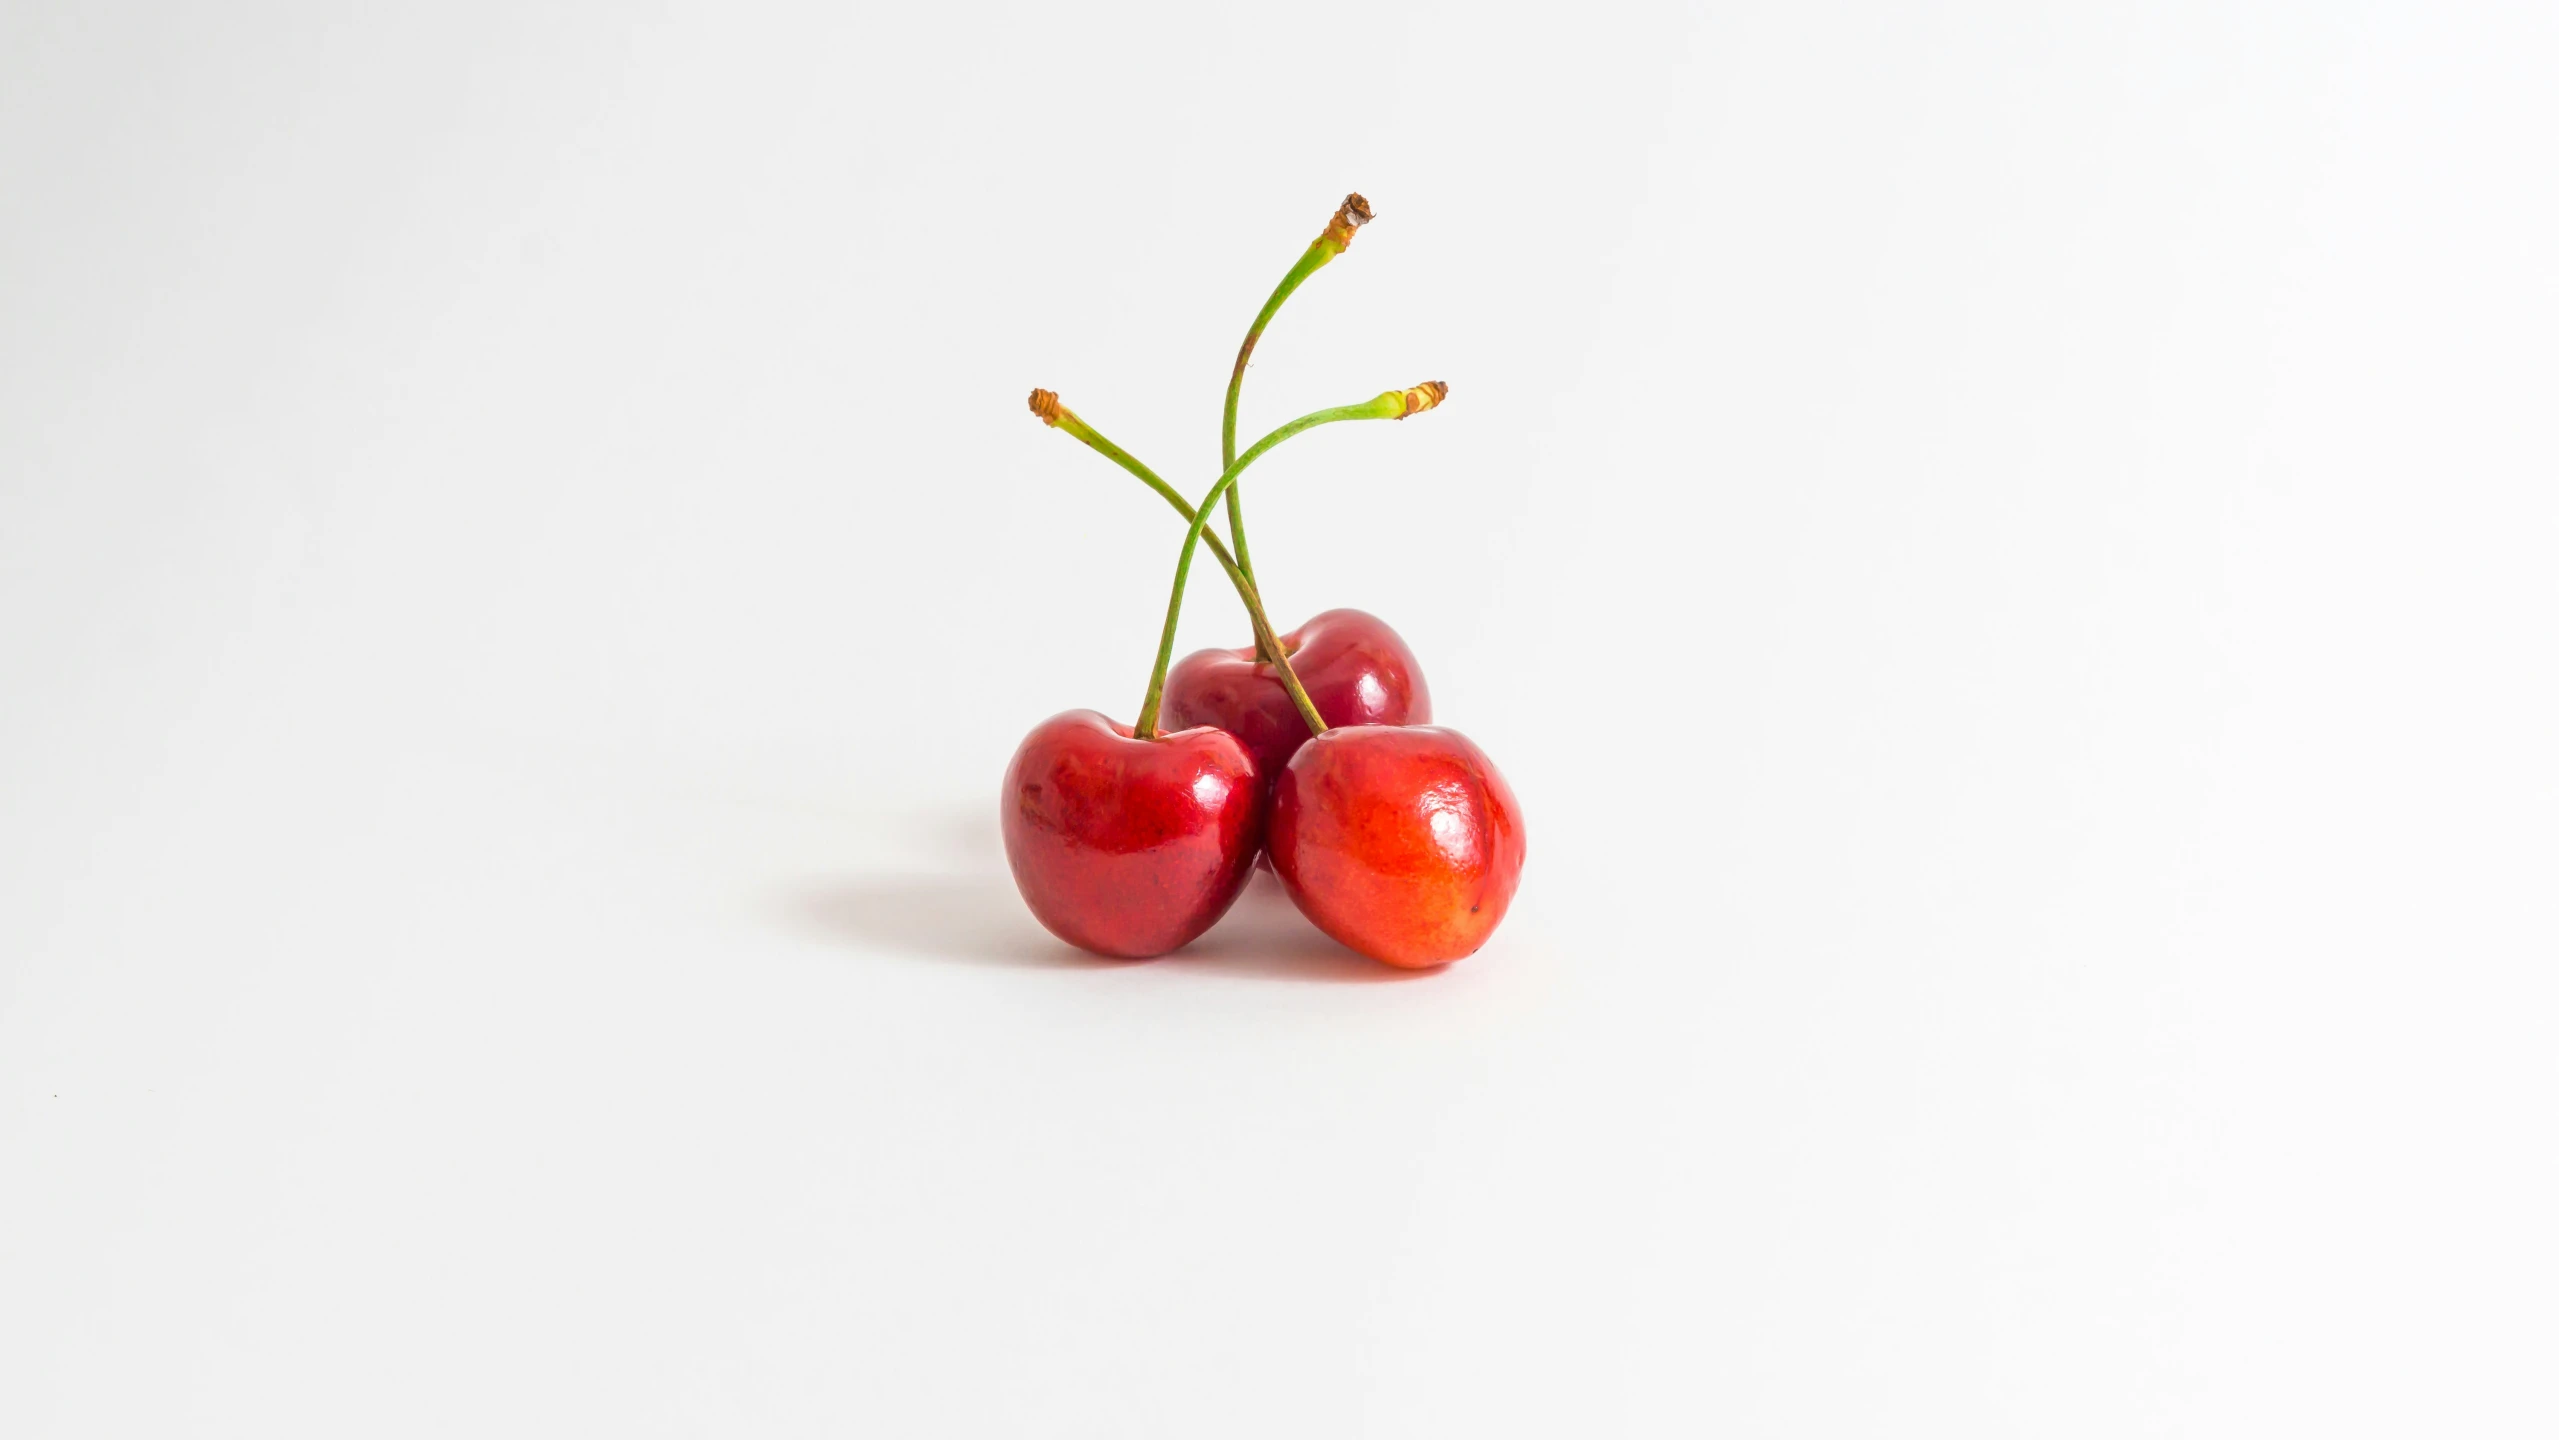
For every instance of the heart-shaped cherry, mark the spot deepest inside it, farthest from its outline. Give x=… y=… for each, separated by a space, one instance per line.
x=1130 y=847
x=1355 y=668
x=1402 y=842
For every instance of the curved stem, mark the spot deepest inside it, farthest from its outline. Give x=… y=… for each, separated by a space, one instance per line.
x=1266 y=639
x=1392 y=405
x=1354 y=212
x=1315 y=258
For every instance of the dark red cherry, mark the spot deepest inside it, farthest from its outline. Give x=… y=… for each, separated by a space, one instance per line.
x=1355 y=668
x=1130 y=847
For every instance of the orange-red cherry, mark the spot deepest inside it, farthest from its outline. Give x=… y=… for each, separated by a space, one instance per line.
x=1402 y=842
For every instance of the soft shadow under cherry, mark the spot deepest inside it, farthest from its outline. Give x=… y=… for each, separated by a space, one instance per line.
x=969 y=919
x=979 y=920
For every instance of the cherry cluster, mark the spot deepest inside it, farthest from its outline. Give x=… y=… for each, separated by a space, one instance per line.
x=1313 y=748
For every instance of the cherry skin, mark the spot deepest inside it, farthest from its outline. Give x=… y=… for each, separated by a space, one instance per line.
x=1402 y=842
x=1355 y=668
x=1128 y=847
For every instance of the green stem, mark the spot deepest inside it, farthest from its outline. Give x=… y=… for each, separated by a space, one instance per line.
x=1266 y=640
x=1393 y=405
x=1354 y=212
x=1315 y=258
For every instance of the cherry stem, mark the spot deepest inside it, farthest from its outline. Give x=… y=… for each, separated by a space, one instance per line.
x=1266 y=640
x=1392 y=405
x=1354 y=212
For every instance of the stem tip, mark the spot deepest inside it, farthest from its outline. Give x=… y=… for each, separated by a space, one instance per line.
x=1044 y=405
x=1423 y=396
x=1353 y=214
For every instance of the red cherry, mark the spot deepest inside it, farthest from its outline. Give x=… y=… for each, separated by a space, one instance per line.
x=1355 y=668
x=1402 y=842
x=1130 y=847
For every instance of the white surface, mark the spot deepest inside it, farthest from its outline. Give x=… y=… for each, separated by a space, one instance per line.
x=2006 y=550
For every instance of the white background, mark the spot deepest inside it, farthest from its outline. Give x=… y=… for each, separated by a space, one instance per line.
x=2006 y=550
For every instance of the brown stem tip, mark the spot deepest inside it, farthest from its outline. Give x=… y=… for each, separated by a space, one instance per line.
x=1353 y=214
x=1044 y=405
x=1423 y=396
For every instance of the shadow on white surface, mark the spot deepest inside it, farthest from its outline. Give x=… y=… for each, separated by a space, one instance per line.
x=968 y=919
x=979 y=920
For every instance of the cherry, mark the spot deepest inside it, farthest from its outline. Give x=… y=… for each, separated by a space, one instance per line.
x=1130 y=847
x=1402 y=842
x=1128 y=841
x=1355 y=668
